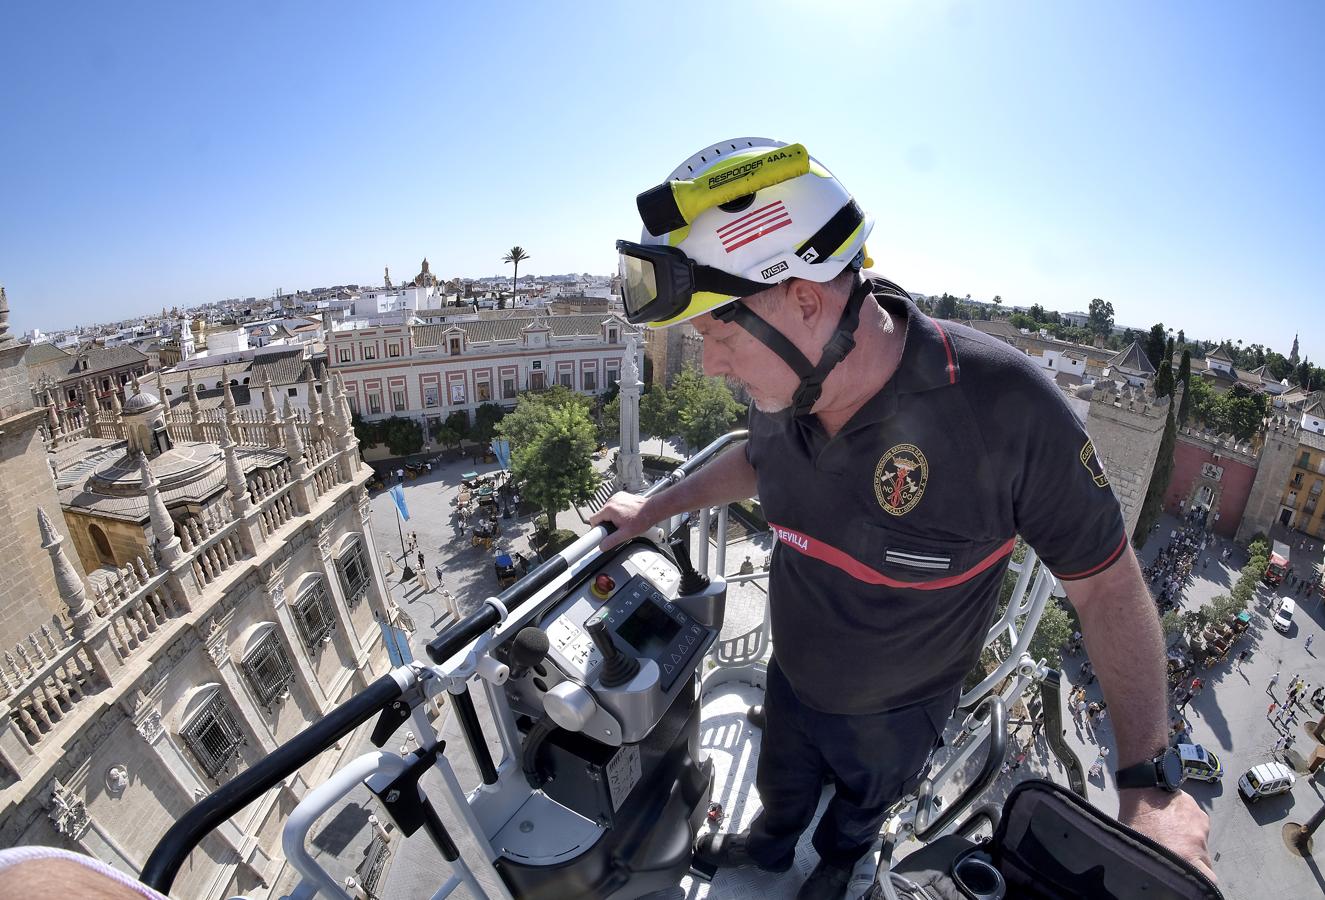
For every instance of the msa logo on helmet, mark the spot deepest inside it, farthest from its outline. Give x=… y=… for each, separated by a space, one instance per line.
x=773 y=270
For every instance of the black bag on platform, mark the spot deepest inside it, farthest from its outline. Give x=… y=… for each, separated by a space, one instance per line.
x=1050 y=844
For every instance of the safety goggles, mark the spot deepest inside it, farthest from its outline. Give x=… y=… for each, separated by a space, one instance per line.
x=659 y=283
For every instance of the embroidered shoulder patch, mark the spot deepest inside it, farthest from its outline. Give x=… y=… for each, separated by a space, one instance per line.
x=1091 y=461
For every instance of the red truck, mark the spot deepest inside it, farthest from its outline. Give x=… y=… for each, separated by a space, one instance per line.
x=1277 y=568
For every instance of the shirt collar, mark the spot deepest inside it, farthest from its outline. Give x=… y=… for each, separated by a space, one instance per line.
x=929 y=357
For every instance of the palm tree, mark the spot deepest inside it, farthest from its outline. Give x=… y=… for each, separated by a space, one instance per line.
x=515 y=255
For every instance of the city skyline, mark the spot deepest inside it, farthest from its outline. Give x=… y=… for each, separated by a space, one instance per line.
x=1042 y=154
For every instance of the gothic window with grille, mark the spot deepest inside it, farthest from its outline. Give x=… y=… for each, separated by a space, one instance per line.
x=354 y=573
x=268 y=669
x=313 y=613
x=214 y=738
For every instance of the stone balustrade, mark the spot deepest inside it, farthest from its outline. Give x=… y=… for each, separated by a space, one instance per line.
x=44 y=685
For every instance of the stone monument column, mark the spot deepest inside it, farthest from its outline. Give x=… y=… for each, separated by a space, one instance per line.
x=630 y=466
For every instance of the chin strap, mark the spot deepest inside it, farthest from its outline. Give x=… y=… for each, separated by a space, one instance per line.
x=812 y=377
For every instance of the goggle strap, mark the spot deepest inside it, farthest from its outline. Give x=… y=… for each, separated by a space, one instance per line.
x=828 y=238
x=717 y=281
x=769 y=336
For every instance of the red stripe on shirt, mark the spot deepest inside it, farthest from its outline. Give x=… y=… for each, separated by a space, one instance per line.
x=1117 y=551
x=834 y=557
x=952 y=369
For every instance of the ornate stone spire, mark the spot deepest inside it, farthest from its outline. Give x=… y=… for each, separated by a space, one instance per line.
x=343 y=417
x=294 y=444
x=195 y=410
x=53 y=429
x=268 y=397
x=314 y=406
x=228 y=398
x=115 y=407
x=332 y=415
x=234 y=472
x=67 y=581
x=165 y=403
x=167 y=544
x=137 y=388
x=4 y=316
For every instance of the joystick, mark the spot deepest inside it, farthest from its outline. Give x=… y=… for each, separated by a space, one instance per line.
x=691 y=581
x=529 y=648
x=618 y=666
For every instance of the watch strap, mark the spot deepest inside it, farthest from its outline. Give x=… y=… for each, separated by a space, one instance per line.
x=1142 y=775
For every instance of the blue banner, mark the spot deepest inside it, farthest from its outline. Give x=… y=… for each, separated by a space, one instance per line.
x=502 y=450
x=398 y=495
x=397 y=645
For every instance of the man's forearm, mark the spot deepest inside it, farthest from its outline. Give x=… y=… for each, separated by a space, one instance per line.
x=729 y=477
x=1126 y=647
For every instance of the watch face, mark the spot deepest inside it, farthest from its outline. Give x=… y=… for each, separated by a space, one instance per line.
x=1170 y=764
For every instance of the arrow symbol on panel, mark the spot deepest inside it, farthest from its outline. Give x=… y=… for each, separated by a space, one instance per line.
x=676 y=658
x=667 y=669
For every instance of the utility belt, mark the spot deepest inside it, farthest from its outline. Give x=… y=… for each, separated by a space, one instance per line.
x=1049 y=845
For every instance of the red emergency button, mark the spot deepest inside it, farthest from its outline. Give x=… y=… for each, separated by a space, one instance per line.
x=603 y=586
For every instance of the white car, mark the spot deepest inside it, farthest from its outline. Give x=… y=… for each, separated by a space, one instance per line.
x=1283 y=620
x=1265 y=780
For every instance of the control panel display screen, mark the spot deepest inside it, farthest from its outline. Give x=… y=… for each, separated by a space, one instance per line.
x=649 y=630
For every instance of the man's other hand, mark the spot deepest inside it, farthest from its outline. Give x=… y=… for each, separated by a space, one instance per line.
x=1171 y=819
x=625 y=511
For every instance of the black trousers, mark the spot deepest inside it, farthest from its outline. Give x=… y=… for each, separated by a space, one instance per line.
x=873 y=761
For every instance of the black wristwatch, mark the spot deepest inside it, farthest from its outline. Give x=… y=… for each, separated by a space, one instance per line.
x=1164 y=771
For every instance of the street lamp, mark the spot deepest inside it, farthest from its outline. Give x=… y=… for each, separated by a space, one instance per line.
x=1298 y=837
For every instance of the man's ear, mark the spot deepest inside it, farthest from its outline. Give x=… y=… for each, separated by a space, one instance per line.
x=807 y=300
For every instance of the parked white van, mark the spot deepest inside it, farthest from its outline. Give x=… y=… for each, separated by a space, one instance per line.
x=1266 y=780
x=1283 y=620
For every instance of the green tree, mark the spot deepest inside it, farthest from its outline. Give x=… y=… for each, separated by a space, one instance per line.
x=1021 y=320
x=1182 y=337
x=609 y=420
x=1243 y=411
x=520 y=426
x=946 y=307
x=1053 y=632
x=1303 y=375
x=1037 y=313
x=368 y=434
x=515 y=255
x=444 y=434
x=553 y=458
x=1100 y=317
x=402 y=435
x=656 y=416
x=1185 y=378
x=998 y=301
x=1164 y=380
x=458 y=422
x=486 y=419
x=705 y=408
x=1160 y=476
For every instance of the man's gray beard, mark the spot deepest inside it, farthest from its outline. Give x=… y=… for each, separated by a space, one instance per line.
x=763 y=405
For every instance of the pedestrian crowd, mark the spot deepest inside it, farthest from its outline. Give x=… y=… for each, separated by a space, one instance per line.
x=1171 y=571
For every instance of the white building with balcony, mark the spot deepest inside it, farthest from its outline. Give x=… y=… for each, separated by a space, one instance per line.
x=429 y=371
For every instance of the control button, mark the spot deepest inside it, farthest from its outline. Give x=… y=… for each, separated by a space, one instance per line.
x=603 y=586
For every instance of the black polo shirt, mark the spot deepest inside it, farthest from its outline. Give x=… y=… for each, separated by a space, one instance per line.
x=894 y=535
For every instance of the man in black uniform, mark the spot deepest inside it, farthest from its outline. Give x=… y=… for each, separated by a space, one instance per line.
x=896 y=458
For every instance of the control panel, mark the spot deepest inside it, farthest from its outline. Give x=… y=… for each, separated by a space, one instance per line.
x=619 y=643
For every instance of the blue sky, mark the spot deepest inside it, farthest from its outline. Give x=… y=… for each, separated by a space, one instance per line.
x=1166 y=157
